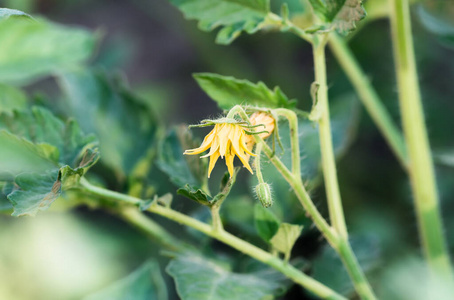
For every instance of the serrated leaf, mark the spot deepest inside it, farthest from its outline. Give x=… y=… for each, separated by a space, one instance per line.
x=32 y=49
x=285 y=238
x=46 y=154
x=37 y=192
x=11 y=99
x=145 y=283
x=342 y=14
x=6 y=188
x=197 y=278
x=196 y=194
x=233 y=15
x=124 y=123
x=6 y=13
x=266 y=223
x=181 y=169
x=40 y=126
x=329 y=269
x=228 y=91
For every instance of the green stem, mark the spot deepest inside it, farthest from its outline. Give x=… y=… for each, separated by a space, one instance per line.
x=369 y=97
x=326 y=145
x=152 y=229
x=140 y=221
x=294 y=139
x=421 y=165
x=258 y=168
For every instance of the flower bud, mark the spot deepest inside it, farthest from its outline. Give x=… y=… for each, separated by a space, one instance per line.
x=263 y=192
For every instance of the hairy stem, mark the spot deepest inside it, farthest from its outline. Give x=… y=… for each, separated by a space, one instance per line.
x=420 y=165
x=369 y=97
x=139 y=220
x=326 y=145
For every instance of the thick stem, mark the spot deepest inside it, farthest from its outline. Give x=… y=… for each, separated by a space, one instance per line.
x=369 y=97
x=420 y=166
x=326 y=145
x=143 y=223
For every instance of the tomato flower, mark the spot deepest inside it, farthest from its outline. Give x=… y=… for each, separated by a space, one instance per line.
x=226 y=139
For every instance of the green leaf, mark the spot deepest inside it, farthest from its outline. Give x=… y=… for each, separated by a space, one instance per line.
x=228 y=92
x=182 y=169
x=37 y=192
x=11 y=99
x=40 y=126
x=46 y=154
x=6 y=188
x=285 y=238
x=145 y=283
x=6 y=13
x=266 y=223
x=195 y=194
x=197 y=278
x=341 y=14
x=329 y=269
x=32 y=49
x=18 y=155
x=234 y=16
x=125 y=125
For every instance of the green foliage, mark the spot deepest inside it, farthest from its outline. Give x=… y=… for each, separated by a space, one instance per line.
x=266 y=223
x=341 y=14
x=32 y=49
x=11 y=99
x=182 y=169
x=197 y=278
x=233 y=16
x=124 y=123
x=228 y=91
x=43 y=155
x=285 y=238
x=145 y=283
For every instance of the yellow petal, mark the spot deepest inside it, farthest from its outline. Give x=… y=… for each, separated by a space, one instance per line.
x=229 y=157
x=224 y=138
x=205 y=144
x=244 y=146
x=213 y=160
x=235 y=148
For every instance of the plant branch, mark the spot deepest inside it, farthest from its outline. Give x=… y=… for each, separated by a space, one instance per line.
x=326 y=144
x=420 y=166
x=144 y=224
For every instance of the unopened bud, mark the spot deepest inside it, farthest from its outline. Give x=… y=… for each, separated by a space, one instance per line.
x=263 y=192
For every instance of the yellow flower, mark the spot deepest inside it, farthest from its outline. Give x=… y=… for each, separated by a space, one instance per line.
x=226 y=139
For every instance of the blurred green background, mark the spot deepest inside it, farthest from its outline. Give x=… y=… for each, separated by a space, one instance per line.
x=68 y=254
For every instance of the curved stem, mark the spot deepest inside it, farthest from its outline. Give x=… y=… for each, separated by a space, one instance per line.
x=258 y=168
x=144 y=224
x=369 y=97
x=421 y=166
x=294 y=139
x=326 y=145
